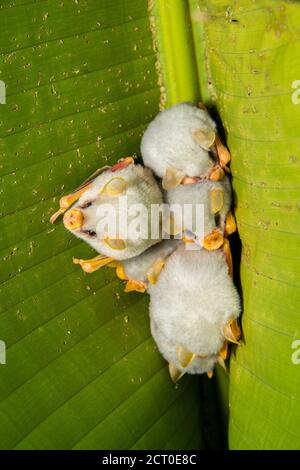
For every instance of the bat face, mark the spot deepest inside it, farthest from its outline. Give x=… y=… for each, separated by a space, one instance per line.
x=104 y=216
x=193 y=301
x=179 y=138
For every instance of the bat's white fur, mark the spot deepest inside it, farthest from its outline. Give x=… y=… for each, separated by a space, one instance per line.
x=168 y=141
x=138 y=267
x=142 y=188
x=168 y=350
x=199 y=193
x=193 y=300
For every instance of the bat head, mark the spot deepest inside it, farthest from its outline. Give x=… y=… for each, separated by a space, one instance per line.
x=113 y=214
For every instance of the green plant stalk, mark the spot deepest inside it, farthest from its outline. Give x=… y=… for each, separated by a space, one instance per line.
x=175 y=50
x=196 y=18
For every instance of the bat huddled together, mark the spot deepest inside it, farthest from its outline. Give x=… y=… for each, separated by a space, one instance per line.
x=194 y=305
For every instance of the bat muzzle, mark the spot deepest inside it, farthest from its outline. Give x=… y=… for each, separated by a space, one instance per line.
x=73 y=219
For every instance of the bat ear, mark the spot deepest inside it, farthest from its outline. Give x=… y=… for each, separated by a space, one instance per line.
x=137 y=286
x=155 y=270
x=184 y=356
x=91 y=178
x=172 y=178
x=204 y=138
x=216 y=200
x=67 y=201
x=122 y=163
x=171 y=226
x=115 y=243
x=115 y=187
x=175 y=374
x=221 y=362
x=232 y=331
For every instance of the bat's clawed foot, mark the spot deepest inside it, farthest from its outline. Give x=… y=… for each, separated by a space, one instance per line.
x=217 y=173
x=137 y=286
x=91 y=265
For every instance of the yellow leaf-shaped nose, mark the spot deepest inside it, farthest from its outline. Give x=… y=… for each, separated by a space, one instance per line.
x=73 y=219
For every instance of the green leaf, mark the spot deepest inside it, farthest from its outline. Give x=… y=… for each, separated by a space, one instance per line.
x=251 y=62
x=82 y=370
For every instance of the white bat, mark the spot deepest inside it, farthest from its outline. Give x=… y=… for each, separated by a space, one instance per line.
x=214 y=200
x=194 y=308
x=180 y=143
x=89 y=204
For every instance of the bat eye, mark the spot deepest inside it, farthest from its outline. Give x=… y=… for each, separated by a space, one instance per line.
x=85 y=205
x=90 y=233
